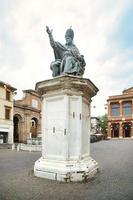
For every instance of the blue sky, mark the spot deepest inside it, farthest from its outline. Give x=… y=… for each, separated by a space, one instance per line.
x=103 y=33
x=124 y=35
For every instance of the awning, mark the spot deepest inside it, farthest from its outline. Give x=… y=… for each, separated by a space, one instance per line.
x=4 y=129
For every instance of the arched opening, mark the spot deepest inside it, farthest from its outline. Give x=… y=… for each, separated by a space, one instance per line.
x=34 y=127
x=17 y=124
x=115 y=130
x=127 y=130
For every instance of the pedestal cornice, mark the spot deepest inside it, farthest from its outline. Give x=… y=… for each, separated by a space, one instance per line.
x=69 y=84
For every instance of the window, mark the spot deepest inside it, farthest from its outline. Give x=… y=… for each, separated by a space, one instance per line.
x=115 y=109
x=33 y=124
x=7 y=112
x=127 y=108
x=34 y=103
x=8 y=95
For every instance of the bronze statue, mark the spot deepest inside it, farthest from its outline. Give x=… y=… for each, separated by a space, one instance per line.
x=67 y=57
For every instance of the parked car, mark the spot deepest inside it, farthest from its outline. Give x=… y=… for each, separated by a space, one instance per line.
x=99 y=136
x=93 y=138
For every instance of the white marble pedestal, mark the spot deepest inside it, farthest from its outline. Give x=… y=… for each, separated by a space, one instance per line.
x=65 y=129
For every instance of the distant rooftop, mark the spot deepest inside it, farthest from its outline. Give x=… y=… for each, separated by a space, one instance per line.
x=129 y=90
x=6 y=85
x=31 y=91
x=126 y=93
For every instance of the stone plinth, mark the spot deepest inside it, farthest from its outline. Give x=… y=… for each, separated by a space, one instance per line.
x=65 y=129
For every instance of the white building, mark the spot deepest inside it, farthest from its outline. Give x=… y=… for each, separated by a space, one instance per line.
x=95 y=125
x=6 y=113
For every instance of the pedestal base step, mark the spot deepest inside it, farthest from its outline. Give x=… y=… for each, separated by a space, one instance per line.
x=66 y=171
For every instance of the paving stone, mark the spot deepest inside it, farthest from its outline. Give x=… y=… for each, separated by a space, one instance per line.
x=113 y=182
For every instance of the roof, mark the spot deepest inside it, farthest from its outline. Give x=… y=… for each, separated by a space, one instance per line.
x=33 y=92
x=97 y=118
x=6 y=85
x=126 y=94
x=129 y=90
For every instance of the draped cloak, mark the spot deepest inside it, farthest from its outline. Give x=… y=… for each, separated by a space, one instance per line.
x=60 y=50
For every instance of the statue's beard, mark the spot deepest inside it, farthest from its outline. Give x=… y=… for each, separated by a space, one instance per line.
x=68 y=43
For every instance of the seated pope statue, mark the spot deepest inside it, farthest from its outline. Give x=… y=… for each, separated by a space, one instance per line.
x=67 y=57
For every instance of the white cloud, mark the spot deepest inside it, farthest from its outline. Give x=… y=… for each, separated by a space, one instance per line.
x=28 y=53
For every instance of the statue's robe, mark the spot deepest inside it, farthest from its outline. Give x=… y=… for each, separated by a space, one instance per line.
x=67 y=60
x=59 y=50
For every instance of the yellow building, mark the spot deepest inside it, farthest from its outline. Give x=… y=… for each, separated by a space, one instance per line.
x=6 y=113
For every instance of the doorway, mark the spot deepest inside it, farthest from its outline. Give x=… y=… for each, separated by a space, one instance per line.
x=127 y=130
x=33 y=127
x=115 y=130
x=4 y=137
x=17 y=119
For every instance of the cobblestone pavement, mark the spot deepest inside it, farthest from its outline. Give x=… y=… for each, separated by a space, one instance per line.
x=113 y=182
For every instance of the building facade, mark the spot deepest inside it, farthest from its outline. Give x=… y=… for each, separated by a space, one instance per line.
x=120 y=115
x=27 y=116
x=6 y=112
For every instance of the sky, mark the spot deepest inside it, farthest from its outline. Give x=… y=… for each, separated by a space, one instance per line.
x=103 y=33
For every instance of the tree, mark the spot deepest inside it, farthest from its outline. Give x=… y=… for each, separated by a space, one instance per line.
x=103 y=124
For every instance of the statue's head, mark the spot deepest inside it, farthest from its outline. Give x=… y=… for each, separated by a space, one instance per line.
x=69 y=35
